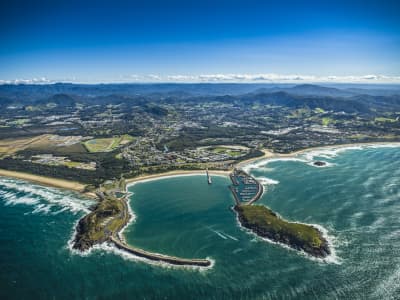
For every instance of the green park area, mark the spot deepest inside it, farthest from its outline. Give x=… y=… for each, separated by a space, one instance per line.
x=107 y=144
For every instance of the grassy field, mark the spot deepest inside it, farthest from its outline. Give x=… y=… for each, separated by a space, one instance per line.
x=319 y=110
x=42 y=143
x=11 y=146
x=326 y=121
x=228 y=151
x=107 y=144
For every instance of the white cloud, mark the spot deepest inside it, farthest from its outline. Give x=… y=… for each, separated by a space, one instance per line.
x=42 y=80
x=229 y=77
x=276 y=78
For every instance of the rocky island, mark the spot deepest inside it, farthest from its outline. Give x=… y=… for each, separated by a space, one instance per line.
x=267 y=224
x=319 y=163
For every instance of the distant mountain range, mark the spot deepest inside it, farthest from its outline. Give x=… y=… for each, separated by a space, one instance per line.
x=35 y=92
x=349 y=99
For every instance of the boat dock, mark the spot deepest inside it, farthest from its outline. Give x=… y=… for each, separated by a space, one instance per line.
x=245 y=188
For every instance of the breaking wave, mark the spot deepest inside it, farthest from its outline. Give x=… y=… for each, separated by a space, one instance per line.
x=107 y=247
x=334 y=151
x=44 y=200
x=267 y=181
x=264 y=162
x=310 y=156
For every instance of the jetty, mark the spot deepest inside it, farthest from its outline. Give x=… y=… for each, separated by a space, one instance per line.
x=122 y=245
x=108 y=219
x=208 y=177
x=160 y=257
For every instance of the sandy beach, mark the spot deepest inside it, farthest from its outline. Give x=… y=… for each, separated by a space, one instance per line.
x=175 y=173
x=271 y=155
x=79 y=187
x=371 y=144
x=48 y=181
x=267 y=154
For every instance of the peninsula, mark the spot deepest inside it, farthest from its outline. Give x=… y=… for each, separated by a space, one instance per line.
x=97 y=138
x=108 y=218
x=111 y=214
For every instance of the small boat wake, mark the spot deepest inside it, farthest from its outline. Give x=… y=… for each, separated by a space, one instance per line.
x=223 y=235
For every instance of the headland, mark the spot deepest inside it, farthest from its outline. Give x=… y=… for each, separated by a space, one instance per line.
x=267 y=224
x=111 y=214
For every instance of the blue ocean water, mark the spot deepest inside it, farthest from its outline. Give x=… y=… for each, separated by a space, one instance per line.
x=356 y=198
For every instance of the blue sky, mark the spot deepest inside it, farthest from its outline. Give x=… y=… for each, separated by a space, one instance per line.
x=243 y=41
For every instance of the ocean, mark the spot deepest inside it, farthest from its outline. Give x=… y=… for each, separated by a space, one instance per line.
x=355 y=199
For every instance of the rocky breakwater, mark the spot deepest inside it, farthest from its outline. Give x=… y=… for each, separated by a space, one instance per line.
x=104 y=223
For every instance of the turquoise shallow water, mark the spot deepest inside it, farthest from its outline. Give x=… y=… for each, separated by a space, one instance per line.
x=356 y=198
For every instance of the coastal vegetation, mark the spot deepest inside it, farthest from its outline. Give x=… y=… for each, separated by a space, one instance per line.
x=266 y=223
x=106 y=219
x=98 y=135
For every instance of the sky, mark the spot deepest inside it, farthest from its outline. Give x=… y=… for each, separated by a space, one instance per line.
x=199 y=41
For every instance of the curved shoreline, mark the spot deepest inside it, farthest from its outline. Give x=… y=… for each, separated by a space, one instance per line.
x=47 y=181
x=179 y=173
x=173 y=260
x=119 y=241
x=269 y=155
x=79 y=187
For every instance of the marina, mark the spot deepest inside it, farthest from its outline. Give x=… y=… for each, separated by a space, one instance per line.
x=245 y=188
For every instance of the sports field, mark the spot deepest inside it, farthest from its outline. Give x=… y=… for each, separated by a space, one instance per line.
x=107 y=144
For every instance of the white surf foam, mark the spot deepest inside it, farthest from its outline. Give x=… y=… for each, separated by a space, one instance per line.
x=334 y=151
x=327 y=153
x=111 y=248
x=332 y=258
x=267 y=181
x=326 y=165
x=309 y=156
x=264 y=162
x=132 y=218
x=43 y=199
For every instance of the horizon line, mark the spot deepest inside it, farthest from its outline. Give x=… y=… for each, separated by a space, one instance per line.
x=319 y=83
x=230 y=78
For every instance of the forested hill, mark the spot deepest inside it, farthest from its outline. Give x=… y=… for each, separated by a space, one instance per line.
x=36 y=92
x=310 y=96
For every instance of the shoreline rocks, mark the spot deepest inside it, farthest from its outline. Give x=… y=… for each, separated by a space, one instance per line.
x=290 y=240
x=319 y=163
